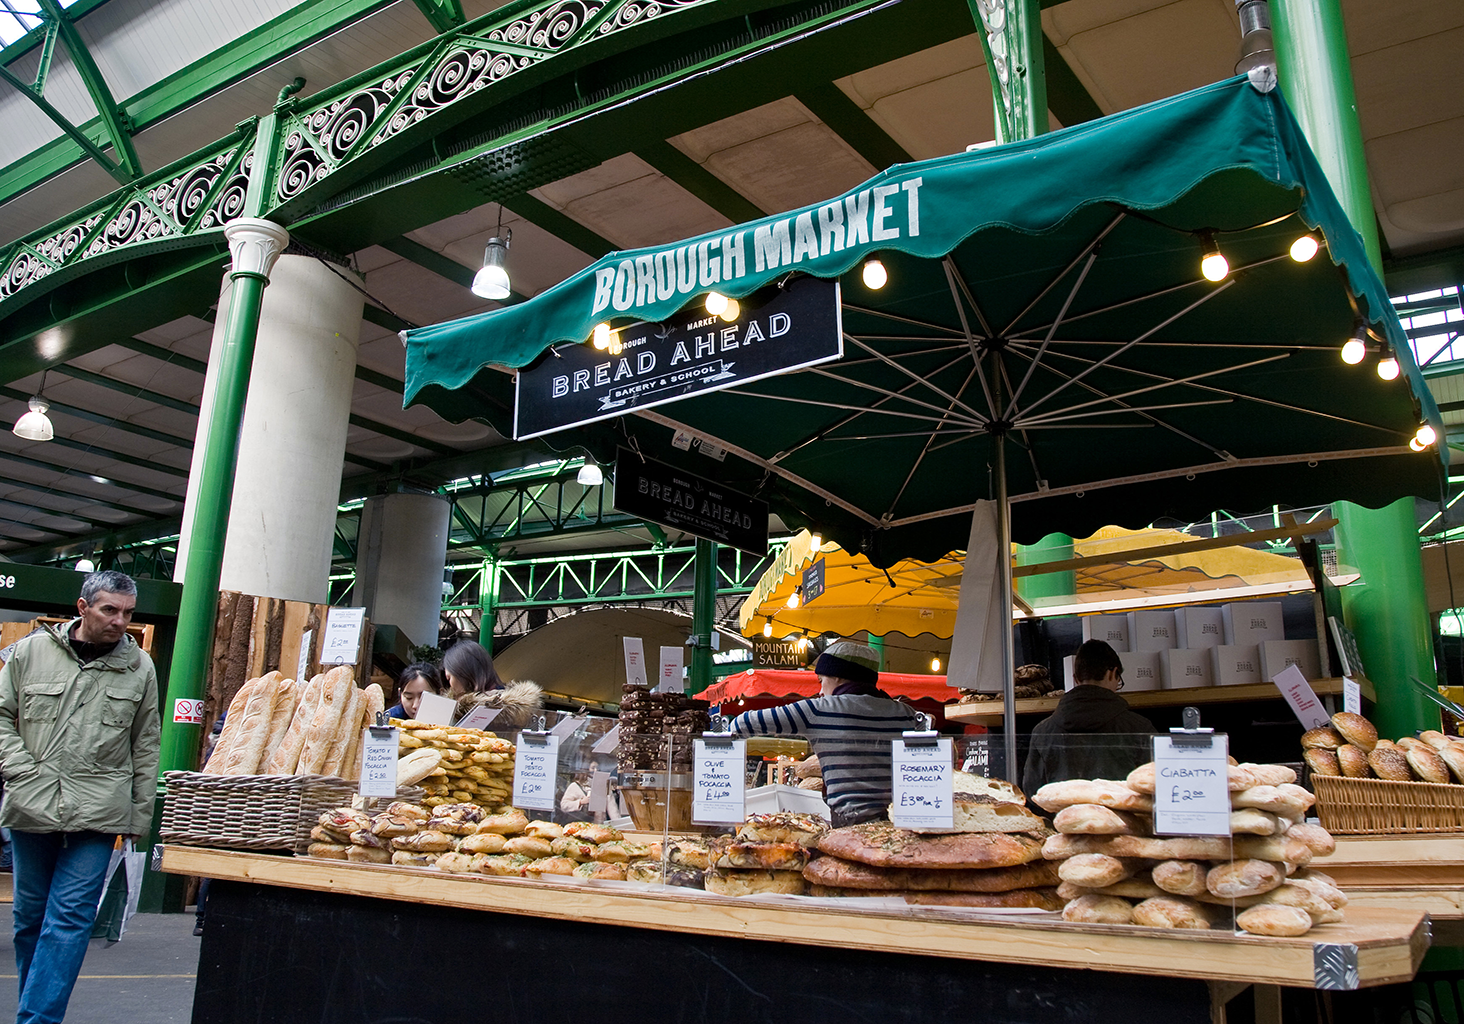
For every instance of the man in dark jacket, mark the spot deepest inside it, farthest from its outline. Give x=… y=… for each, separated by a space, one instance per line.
x=1093 y=734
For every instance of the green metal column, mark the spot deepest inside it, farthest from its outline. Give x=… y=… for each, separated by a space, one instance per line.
x=876 y=643
x=703 y=611
x=1388 y=611
x=1055 y=547
x=1011 y=37
x=488 y=603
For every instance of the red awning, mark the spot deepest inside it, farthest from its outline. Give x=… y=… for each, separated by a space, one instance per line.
x=766 y=682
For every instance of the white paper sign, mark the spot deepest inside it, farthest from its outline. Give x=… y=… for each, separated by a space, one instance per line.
x=924 y=794
x=635 y=661
x=1301 y=697
x=566 y=728
x=535 y=770
x=303 y=666
x=342 y=635
x=1351 y=695
x=436 y=710
x=187 y=711
x=1191 y=788
x=478 y=718
x=608 y=743
x=671 y=662
x=719 y=781
x=599 y=791
x=379 y=761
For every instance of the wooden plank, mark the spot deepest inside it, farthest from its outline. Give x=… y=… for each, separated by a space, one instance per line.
x=990 y=713
x=259 y=637
x=273 y=633
x=293 y=627
x=1390 y=942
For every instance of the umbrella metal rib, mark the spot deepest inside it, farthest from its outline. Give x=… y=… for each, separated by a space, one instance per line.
x=1087 y=252
x=815 y=403
x=1047 y=339
x=921 y=457
x=893 y=364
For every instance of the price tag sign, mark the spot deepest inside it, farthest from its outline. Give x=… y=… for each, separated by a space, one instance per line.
x=303 y=666
x=478 y=718
x=599 y=791
x=1191 y=787
x=924 y=784
x=536 y=765
x=1351 y=695
x=719 y=781
x=566 y=728
x=635 y=661
x=379 y=761
x=1301 y=697
x=608 y=743
x=342 y=635
x=187 y=711
x=671 y=662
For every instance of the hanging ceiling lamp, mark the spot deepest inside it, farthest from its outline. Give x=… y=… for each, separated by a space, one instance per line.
x=590 y=474
x=492 y=281
x=35 y=425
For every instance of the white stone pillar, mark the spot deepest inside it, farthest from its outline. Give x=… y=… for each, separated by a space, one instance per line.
x=293 y=439
x=401 y=549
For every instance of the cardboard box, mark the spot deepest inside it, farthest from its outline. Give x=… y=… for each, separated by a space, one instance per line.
x=1151 y=631
x=1111 y=629
x=1277 y=654
x=1181 y=670
x=1068 y=682
x=1199 y=627
x=1235 y=664
x=1140 y=670
x=1251 y=622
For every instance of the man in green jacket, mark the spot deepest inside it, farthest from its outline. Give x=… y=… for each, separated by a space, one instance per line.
x=79 y=754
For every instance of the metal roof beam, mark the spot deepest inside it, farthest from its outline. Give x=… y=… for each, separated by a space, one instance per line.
x=55 y=513
x=49 y=466
x=852 y=123
x=117 y=128
x=1067 y=96
x=443 y=266
x=87 y=498
x=445 y=15
x=163 y=355
x=699 y=181
x=131 y=390
x=565 y=228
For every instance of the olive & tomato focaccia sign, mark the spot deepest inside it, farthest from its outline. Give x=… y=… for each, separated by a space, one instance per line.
x=690 y=353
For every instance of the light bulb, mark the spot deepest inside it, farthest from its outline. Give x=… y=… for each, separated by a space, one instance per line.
x=1416 y=444
x=768 y=628
x=1304 y=248
x=602 y=336
x=874 y=274
x=716 y=303
x=1354 y=350
x=815 y=543
x=935 y=664
x=589 y=475
x=732 y=311
x=803 y=642
x=86 y=565
x=1215 y=266
x=616 y=345
x=1426 y=435
x=795 y=598
x=1388 y=368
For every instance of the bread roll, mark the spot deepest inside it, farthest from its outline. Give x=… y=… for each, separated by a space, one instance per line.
x=287 y=699
x=544 y=829
x=1094 y=870
x=335 y=696
x=1353 y=761
x=1249 y=821
x=1317 y=839
x=1323 y=762
x=1269 y=774
x=510 y=822
x=1244 y=878
x=329 y=851
x=1356 y=730
x=1056 y=795
x=368 y=855
x=1095 y=819
x=547 y=866
x=232 y=717
x=417 y=765
x=426 y=841
x=529 y=846
x=1272 y=919
x=600 y=869
x=1181 y=877
x=1099 y=910
x=1060 y=847
x=1288 y=894
x=1173 y=912
x=1452 y=754
x=1129 y=889
x=287 y=755
x=1282 y=849
x=242 y=757
x=1323 y=737
x=405 y=858
x=1434 y=738
x=1322 y=885
x=1301 y=795
x=455 y=863
x=1389 y=762
x=1286 y=803
x=1427 y=764
x=482 y=842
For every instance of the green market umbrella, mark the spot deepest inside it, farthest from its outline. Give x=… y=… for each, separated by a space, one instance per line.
x=1045 y=339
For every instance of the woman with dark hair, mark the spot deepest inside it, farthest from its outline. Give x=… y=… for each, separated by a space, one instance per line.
x=849 y=725
x=469 y=669
x=417 y=679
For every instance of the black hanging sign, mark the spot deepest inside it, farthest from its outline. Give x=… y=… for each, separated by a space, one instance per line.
x=672 y=497
x=691 y=353
x=813 y=581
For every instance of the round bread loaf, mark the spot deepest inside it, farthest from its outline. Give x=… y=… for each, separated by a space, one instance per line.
x=747 y=883
x=1181 y=877
x=1244 y=878
x=1434 y=738
x=1173 y=912
x=1426 y=763
x=1323 y=737
x=1389 y=762
x=329 y=851
x=1352 y=760
x=1452 y=754
x=1322 y=762
x=483 y=842
x=1409 y=742
x=1099 y=910
x=368 y=855
x=529 y=846
x=1093 y=870
x=1272 y=919
x=1355 y=729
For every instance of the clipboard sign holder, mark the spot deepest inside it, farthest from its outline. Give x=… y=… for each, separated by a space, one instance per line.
x=1191 y=734
x=925 y=736
x=538 y=736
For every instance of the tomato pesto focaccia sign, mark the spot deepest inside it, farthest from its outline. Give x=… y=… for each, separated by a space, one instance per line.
x=663 y=494
x=691 y=353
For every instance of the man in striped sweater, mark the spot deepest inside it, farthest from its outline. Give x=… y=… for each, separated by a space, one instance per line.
x=849 y=725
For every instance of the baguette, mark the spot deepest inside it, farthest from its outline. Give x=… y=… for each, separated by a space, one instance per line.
x=335 y=696
x=242 y=757
x=215 y=764
x=345 y=729
x=286 y=701
x=374 y=703
x=287 y=754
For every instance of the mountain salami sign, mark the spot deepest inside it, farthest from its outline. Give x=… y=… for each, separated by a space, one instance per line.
x=674 y=498
x=690 y=354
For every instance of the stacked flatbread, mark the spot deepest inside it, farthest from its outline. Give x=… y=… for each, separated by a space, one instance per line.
x=276 y=726
x=767 y=855
x=1115 y=871
x=453 y=764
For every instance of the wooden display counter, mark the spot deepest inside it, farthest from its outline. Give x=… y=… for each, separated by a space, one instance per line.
x=1385 y=944
x=1422 y=873
x=989 y=712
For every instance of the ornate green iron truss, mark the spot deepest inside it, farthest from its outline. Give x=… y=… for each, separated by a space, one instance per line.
x=334 y=142
x=1011 y=37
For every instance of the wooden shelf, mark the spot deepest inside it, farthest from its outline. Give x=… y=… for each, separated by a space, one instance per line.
x=1423 y=872
x=990 y=713
x=1389 y=942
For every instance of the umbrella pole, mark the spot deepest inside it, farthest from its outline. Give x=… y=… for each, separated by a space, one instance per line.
x=1008 y=671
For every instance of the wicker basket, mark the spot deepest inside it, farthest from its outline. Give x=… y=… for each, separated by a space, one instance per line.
x=1378 y=806
x=252 y=812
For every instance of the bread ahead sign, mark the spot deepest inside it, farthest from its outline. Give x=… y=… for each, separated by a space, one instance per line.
x=674 y=498
x=691 y=353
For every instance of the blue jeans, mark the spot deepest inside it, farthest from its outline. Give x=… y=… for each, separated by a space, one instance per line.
x=58 y=883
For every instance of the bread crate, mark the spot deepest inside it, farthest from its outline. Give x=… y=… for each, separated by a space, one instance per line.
x=1378 y=806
